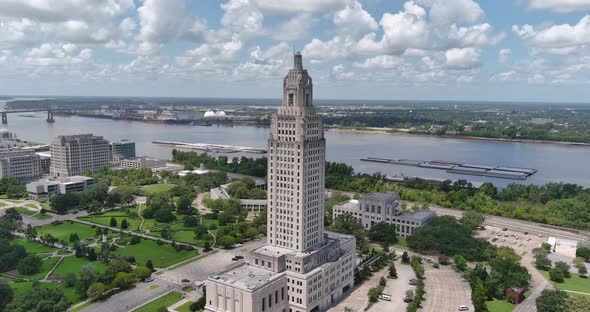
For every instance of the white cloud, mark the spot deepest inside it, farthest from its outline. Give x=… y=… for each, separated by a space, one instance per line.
x=299 y=6
x=558 y=37
x=340 y=73
x=354 y=21
x=476 y=35
x=562 y=6
x=503 y=55
x=380 y=62
x=462 y=58
x=447 y=12
x=241 y=16
x=295 y=28
x=334 y=48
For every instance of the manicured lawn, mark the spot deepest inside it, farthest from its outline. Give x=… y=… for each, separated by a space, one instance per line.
x=15 y=201
x=45 y=267
x=401 y=242
x=25 y=211
x=31 y=205
x=2 y=204
x=208 y=222
x=33 y=247
x=63 y=231
x=575 y=283
x=73 y=264
x=69 y=292
x=41 y=216
x=161 y=255
x=165 y=301
x=106 y=220
x=185 y=307
x=157 y=188
x=499 y=306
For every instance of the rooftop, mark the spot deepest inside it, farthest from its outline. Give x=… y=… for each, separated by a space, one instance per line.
x=351 y=204
x=246 y=277
x=64 y=180
x=419 y=214
x=382 y=195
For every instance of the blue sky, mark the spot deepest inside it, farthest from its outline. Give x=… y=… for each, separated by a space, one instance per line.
x=493 y=50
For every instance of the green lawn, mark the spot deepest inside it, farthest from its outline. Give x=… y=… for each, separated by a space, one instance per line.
x=73 y=264
x=161 y=255
x=31 y=205
x=185 y=307
x=165 y=301
x=15 y=201
x=157 y=188
x=106 y=220
x=45 y=267
x=401 y=242
x=63 y=231
x=499 y=306
x=575 y=283
x=208 y=222
x=2 y=204
x=69 y=292
x=41 y=216
x=33 y=247
x=25 y=211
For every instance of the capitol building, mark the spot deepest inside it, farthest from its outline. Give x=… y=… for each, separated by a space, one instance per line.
x=302 y=267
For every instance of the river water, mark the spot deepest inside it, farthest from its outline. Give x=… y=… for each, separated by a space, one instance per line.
x=554 y=162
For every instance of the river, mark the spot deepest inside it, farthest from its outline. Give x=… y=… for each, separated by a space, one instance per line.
x=554 y=162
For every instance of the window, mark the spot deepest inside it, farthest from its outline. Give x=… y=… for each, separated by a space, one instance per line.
x=306 y=99
x=263 y=305
x=270 y=300
x=291 y=99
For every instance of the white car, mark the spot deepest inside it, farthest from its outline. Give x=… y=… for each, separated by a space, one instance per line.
x=463 y=308
x=385 y=297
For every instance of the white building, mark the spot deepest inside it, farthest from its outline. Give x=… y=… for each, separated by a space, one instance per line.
x=57 y=186
x=72 y=154
x=141 y=163
x=374 y=208
x=302 y=268
x=24 y=165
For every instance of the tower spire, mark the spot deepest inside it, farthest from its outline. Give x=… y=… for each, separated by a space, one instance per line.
x=298 y=61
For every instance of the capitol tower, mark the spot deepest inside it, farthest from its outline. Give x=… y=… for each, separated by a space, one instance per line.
x=302 y=268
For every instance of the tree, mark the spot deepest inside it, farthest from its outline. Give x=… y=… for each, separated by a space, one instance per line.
x=583 y=252
x=113 y=222
x=135 y=240
x=472 y=219
x=122 y=280
x=142 y=272
x=551 y=300
x=40 y=299
x=383 y=232
x=31 y=264
x=556 y=275
x=191 y=221
x=460 y=262
x=167 y=232
x=577 y=303
x=543 y=263
x=96 y=290
x=563 y=267
x=405 y=257
x=30 y=232
x=74 y=237
x=206 y=246
x=98 y=231
x=226 y=241
x=251 y=232
x=87 y=277
x=184 y=205
x=91 y=254
x=6 y=295
x=373 y=294
x=149 y=265
x=582 y=270
x=124 y=224
x=392 y=270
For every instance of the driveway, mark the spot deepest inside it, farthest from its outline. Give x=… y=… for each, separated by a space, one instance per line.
x=396 y=288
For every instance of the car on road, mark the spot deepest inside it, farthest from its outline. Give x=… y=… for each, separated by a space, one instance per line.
x=239 y=257
x=184 y=280
x=413 y=282
x=385 y=297
x=463 y=308
x=408 y=300
x=238 y=245
x=149 y=279
x=505 y=229
x=494 y=239
x=234 y=259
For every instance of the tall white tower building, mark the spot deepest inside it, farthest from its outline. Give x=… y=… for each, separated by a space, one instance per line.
x=302 y=268
x=297 y=150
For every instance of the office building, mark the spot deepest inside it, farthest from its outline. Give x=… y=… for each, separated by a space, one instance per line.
x=141 y=163
x=22 y=164
x=57 y=186
x=122 y=149
x=73 y=154
x=302 y=268
x=375 y=208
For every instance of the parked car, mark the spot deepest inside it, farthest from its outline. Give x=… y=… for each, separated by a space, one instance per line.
x=494 y=239
x=239 y=257
x=408 y=300
x=238 y=245
x=234 y=259
x=413 y=282
x=463 y=308
x=149 y=279
x=505 y=229
x=385 y=297
x=184 y=280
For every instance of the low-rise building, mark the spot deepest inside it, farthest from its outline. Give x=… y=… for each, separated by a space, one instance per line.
x=141 y=163
x=252 y=205
x=375 y=208
x=45 y=161
x=22 y=164
x=122 y=149
x=57 y=186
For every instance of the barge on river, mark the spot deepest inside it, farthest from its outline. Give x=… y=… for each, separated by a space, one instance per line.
x=462 y=168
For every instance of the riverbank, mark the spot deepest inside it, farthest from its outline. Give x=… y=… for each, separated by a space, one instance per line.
x=405 y=132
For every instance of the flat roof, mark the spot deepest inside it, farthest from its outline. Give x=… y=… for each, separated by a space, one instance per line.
x=351 y=204
x=419 y=214
x=246 y=277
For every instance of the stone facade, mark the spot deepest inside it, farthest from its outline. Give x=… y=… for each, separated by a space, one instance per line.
x=73 y=154
x=375 y=208
x=24 y=165
x=302 y=268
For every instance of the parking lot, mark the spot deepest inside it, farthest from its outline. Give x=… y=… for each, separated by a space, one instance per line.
x=445 y=290
x=396 y=288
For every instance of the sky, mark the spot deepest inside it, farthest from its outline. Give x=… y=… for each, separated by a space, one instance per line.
x=488 y=50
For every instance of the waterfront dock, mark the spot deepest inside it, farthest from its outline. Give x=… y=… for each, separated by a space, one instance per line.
x=502 y=172
x=212 y=148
